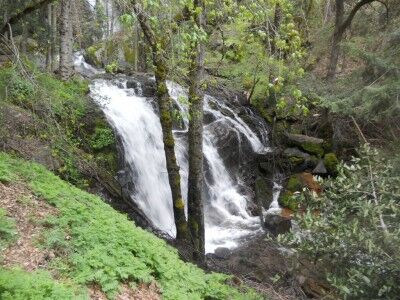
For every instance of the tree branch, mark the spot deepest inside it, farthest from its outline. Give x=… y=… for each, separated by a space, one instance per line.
x=352 y=14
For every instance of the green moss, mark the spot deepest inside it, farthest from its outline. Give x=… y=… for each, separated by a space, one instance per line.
x=313 y=148
x=296 y=160
x=294 y=184
x=331 y=162
x=162 y=89
x=180 y=203
x=92 y=56
x=287 y=200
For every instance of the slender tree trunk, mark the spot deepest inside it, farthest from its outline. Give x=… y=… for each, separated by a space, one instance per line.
x=341 y=25
x=196 y=112
x=337 y=38
x=66 y=41
x=49 y=57
x=54 y=47
x=276 y=27
x=165 y=106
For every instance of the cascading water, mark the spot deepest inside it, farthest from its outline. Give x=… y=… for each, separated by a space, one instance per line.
x=135 y=119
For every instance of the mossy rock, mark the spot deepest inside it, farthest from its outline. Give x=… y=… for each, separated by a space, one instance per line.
x=312 y=148
x=309 y=144
x=331 y=162
x=288 y=200
x=94 y=54
x=294 y=184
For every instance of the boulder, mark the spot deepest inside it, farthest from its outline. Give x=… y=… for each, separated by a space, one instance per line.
x=263 y=189
x=222 y=252
x=143 y=85
x=309 y=144
x=299 y=160
x=277 y=223
x=320 y=169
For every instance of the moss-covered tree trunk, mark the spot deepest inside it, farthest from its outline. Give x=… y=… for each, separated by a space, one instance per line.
x=165 y=105
x=196 y=112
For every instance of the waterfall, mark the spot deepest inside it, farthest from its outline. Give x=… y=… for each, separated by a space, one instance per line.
x=135 y=120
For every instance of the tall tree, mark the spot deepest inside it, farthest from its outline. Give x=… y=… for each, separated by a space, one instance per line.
x=196 y=99
x=66 y=41
x=158 y=44
x=341 y=25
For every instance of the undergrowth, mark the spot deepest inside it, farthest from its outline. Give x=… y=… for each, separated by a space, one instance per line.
x=17 y=284
x=95 y=244
x=7 y=229
x=62 y=116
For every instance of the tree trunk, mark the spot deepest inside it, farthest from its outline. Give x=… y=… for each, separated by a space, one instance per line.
x=341 y=26
x=337 y=38
x=196 y=112
x=53 y=41
x=49 y=61
x=66 y=41
x=165 y=106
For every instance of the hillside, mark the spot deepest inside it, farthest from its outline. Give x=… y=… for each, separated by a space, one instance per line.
x=59 y=242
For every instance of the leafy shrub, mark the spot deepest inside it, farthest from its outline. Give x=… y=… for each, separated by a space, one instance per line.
x=356 y=233
x=102 y=138
x=112 y=68
x=20 y=89
x=20 y=285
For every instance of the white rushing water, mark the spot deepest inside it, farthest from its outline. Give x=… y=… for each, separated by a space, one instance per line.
x=137 y=123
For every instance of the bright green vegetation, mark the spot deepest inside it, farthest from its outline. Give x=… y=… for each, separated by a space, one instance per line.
x=62 y=116
x=95 y=244
x=355 y=235
x=7 y=229
x=17 y=284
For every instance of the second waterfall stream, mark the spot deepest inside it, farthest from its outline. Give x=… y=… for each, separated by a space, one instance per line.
x=135 y=120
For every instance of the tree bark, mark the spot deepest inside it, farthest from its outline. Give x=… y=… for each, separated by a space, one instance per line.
x=66 y=41
x=165 y=106
x=196 y=113
x=49 y=57
x=54 y=47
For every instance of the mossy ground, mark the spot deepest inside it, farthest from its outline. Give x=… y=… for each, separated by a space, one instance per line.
x=97 y=245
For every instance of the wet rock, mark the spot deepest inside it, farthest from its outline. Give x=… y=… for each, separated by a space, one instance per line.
x=263 y=189
x=320 y=169
x=307 y=143
x=143 y=84
x=222 y=252
x=277 y=223
x=299 y=160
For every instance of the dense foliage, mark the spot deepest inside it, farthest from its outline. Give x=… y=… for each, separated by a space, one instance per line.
x=352 y=228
